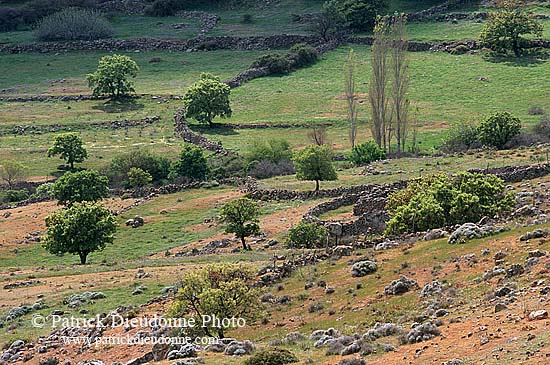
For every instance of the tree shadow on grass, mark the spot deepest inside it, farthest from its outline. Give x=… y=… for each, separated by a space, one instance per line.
x=533 y=57
x=214 y=129
x=119 y=106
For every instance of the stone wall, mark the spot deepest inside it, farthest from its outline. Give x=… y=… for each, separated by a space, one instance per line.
x=56 y=128
x=182 y=130
x=178 y=45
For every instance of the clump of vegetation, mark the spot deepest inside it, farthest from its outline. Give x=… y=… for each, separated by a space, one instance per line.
x=247 y=19
x=307 y=235
x=69 y=147
x=12 y=172
x=156 y=166
x=269 y=158
x=137 y=178
x=191 y=165
x=277 y=64
x=461 y=137
x=80 y=230
x=221 y=167
x=439 y=200
x=112 y=76
x=162 y=8
x=358 y=14
x=206 y=99
x=497 y=129
x=73 y=24
x=314 y=163
x=366 y=153
x=87 y=185
x=302 y=55
x=542 y=128
x=506 y=27
x=272 y=356
x=223 y=291
x=241 y=218
x=12 y=196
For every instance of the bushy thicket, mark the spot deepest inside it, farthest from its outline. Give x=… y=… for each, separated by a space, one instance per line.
x=307 y=235
x=366 y=153
x=171 y=7
x=222 y=167
x=191 y=165
x=542 y=128
x=439 y=200
x=270 y=158
x=32 y=11
x=157 y=166
x=300 y=55
x=11 y=196
x=496 y=131
x=358 y=14
x=73 y=24
x=461 y=137
x=276 y=63
x=271 y=356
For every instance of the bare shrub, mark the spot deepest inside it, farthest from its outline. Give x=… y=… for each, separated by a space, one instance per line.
x=73 y=24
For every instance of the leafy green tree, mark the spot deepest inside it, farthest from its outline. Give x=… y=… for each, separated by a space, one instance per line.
x=69 y=147
x=307 y=235
x=87 y=185
x=79 y=230
x=206 y=99
x=241 y=217
x=366 y=153
x=273 y=150
x=12 y=172
x=157 y=166
x=497 y=129
x=111 y=76
x=314 y=163
x=221 y=290
x=137 y=178
x=505 y=29
x=359 y=14
x=439 y=200
x=192 y=164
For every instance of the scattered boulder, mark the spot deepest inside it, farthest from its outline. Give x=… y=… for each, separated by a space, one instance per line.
x=422 y=332
x=381 y=329
x=363 y=268
x=236 y=348
x=435 y=234
x=538 y=315
x=470 y=231
x=400 y=286
x=135 y=222
x=433 y=288
x=514 y=270
x=185 y=350
x=537 y=233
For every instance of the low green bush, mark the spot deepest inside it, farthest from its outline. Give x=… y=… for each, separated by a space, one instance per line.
x=73 y=24
x=461 y=137
x=439 y=200
x=13 y=196
x=271 y=356
x=137 y=178
x=366 y=153
x=307 y=235
x=302 y=55
x=497 y=129
x=277 y=64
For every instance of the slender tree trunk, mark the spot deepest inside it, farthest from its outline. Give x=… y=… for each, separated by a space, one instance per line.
x=316 y=185
x=83 y=256
x=245 y=246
